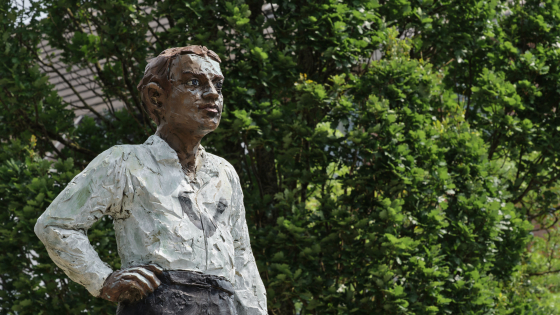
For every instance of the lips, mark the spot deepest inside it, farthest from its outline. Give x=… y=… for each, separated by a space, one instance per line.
x=213 y=108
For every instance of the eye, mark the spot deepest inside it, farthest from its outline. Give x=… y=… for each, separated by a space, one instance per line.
x=218 y=85
x=193 y=82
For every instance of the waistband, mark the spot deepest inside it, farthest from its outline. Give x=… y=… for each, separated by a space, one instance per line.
x=197 y=279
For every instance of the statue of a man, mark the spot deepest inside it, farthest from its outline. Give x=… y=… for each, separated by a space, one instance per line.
x=178 y=211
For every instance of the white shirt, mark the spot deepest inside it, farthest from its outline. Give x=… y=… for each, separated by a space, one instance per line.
x=160 y=217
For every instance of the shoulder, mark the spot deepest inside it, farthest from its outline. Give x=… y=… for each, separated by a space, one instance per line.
x=223 y=165
x=227 y=173
x=116 y=154
x=115 y=160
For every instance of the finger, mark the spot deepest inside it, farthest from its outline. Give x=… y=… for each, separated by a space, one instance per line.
x=142 y=282
x=148 y=275
x=155 y=268
x=131 y=290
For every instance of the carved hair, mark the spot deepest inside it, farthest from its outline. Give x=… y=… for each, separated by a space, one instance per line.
x=157 y=71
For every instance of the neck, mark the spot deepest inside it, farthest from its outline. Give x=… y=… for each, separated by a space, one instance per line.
x=185 y=144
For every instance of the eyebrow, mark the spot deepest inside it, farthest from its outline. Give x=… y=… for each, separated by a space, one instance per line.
x=200 y=74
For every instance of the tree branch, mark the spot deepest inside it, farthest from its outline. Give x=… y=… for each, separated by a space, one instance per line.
x=76 y=93
x=542 y=273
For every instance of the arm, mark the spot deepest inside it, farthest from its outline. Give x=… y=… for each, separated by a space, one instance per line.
x=250 y=294
x=95 y=192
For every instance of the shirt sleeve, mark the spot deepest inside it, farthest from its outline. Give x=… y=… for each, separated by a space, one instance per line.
x=250 y=294
x=95 y=192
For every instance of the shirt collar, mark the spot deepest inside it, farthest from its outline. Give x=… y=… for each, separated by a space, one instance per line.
x=164 y=153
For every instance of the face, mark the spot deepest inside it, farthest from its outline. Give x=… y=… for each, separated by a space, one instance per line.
x=195 y=102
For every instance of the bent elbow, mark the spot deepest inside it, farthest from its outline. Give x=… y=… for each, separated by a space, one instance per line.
x=40 y=229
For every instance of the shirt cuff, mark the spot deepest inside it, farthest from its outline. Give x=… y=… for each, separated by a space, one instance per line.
x=98 y=276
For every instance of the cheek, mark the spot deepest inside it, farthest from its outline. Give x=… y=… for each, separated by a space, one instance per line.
x=184 y=96
x=183 y=91
x=181 y=103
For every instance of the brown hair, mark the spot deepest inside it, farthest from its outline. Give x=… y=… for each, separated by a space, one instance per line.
x=157 y=71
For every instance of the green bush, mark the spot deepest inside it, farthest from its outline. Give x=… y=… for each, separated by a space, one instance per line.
x=405 y=184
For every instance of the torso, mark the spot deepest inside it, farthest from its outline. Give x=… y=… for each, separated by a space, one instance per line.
x=174 y=222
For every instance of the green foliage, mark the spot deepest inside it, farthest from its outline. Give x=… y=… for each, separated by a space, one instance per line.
x=406 y=184
x=31 y=283
x=27 y=99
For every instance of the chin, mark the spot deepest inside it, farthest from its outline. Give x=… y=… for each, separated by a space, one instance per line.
x=211 y=122
x=209 y=129
x=210 y=126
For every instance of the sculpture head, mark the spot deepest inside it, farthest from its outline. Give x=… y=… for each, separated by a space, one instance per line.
x=182 y=90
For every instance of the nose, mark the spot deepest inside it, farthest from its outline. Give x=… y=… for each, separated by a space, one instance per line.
x=211 y=93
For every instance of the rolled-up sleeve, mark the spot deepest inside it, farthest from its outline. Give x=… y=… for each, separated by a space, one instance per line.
x=250 y=294
x=93 y=193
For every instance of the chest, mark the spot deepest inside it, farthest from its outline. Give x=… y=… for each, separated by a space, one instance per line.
x=170 y=202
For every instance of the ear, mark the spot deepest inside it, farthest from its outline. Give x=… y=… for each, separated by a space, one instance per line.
x=154 y=95
x=154 y=98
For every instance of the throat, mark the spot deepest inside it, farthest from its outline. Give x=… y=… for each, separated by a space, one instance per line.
x=189 y=169
x=192 y=163
x=187 y=147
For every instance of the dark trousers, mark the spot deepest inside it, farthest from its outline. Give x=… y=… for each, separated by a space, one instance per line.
x=185 y=292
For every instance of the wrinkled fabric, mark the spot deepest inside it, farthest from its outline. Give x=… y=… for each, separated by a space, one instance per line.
x=160 y=217
x=185 y=293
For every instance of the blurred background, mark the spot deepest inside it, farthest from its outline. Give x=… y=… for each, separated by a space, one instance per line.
x=397 y=157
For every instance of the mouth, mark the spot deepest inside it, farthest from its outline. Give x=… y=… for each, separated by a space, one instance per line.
x=210 y=108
